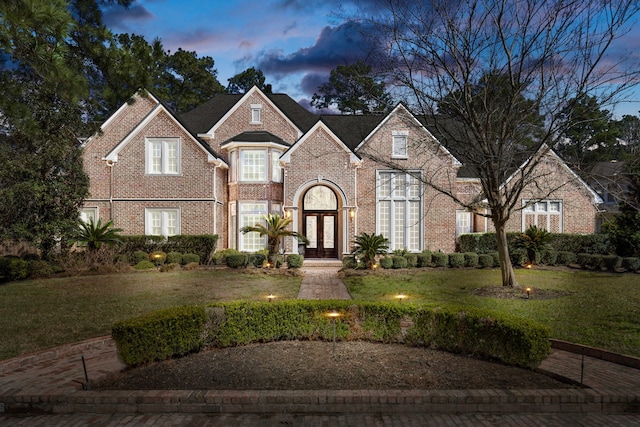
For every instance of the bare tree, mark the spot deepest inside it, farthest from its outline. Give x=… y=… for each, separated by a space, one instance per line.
x=495 y=77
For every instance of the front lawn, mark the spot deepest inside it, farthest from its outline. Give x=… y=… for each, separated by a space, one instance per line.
x=40 y=314
x=601 y=309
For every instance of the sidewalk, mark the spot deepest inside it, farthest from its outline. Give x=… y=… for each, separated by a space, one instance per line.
x=322 y=283
x=52 y=382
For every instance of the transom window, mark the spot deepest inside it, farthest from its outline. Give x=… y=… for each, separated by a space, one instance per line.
x=320 y=198
x=399 y=209
x=162 y=222
x=399 y=146
x=545 y=214
x=163 y=156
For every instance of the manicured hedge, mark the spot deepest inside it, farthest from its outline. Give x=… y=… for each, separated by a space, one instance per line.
x=204 y=245
x=13 y=268
x=399 y=261
x=174 y=332
x=386 y=262
x=631 y=263
x=294 y=260
x=481 y=243
x=485 y=261
x=160 y=335
x=439 y=259
x=237 y=260
x=424 y=259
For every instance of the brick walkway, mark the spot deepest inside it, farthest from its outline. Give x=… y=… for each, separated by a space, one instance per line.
x=52 y=382
x=322 y=283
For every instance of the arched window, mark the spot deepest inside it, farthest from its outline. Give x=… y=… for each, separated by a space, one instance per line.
x=320 y=198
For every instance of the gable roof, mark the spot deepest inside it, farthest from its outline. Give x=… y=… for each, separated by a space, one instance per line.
x=286 y=156
x=159 y=108
x=208 y=116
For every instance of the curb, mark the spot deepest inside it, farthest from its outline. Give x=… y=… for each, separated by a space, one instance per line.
x=330 y=401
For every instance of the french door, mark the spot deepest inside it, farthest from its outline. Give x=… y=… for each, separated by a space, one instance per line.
x=321 y=230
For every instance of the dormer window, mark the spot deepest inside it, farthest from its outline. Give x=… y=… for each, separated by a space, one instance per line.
x=399 y=145
x=256 y=110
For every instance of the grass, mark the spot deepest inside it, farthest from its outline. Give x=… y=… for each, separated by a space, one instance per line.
x=601 y=310
x=40 y=314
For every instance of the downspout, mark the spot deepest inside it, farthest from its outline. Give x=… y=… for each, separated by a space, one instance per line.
x=110 y=165
x=216 y=165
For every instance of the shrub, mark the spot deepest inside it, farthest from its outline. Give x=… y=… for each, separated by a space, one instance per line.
x=14 y=268
x=386 y=262
x=31 y=257
x=220 y=257
x=237 y=260
x=294 y=260
x=534 y=241
x=202 y=244
x=611 y=262
x=440 y=259
x=485 y=261
x=496 y=258
x=470 y=259
x=39 y=269
x=158 y=257
x=349 y=262
x=412 y=260
x=174 y=257
x=399 y=261
x=257 y=260
x=366 y=247
x=424 y=259
x=631 y=263
x=456 y=260
x=160 y=335
x=170 y=267
x=191 y=266
x=144 y=265
x=565 y=258
x=518 y=257
x=589 y=260
x=190 y=259
x=549 y=257
x=140 y=256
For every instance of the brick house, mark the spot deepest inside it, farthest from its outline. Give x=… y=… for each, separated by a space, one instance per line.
x=235 y=158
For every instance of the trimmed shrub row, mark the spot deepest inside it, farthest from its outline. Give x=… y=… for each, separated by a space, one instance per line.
x=202 y=245
x=175 y=332
x=482 y=243
x=240 y=260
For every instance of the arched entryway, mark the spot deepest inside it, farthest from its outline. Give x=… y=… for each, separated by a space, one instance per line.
x=320 y=222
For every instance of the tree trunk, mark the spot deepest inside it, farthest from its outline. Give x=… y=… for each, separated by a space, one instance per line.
x=506 y=268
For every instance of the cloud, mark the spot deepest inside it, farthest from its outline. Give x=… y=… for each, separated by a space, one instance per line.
x=119 y=17
x=311 y=81
x=334 y=46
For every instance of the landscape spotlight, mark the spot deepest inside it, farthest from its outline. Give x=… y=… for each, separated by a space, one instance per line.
x=528 y=292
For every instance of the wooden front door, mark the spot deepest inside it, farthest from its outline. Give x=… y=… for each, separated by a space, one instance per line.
x=321 y=228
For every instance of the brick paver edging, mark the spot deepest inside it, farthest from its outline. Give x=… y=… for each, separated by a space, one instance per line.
x=330 y=401
x=54 y=353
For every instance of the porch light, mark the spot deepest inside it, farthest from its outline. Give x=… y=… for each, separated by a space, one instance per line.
x=352 y=213
x=287 y=213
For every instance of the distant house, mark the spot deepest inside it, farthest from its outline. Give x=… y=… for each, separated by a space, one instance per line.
x=237 y=157
x=609 y=181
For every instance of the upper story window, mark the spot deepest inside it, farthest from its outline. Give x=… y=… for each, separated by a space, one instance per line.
x=399 y=209
x=276 y=169
x=163 y=156
x=400 y=145
x=256 y=113
x=253 y=165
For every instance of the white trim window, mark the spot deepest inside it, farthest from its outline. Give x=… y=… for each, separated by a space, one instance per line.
x=256 y=114
x=162 y=222
x=463 y=222
x=545 y=214
x=162 y=156
x=88 y=214
x=251 y=213
x=253 y=165
x=399 y=209
x=399 y=148
x=276 y=169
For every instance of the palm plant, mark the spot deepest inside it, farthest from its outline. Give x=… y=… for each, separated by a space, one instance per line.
x=94 y=234
x=368 y=246
x=534 y=241
x=275 y=228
